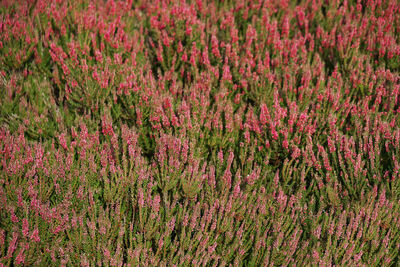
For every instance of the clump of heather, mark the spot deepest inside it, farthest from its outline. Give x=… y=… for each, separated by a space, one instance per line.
x=204 y=133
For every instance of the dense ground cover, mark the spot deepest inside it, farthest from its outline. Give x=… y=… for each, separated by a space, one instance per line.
x=204 y=133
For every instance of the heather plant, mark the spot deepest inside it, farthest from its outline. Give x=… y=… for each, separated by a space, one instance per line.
x=204 y=133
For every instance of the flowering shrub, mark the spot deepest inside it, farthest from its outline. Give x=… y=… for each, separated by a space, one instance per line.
x=212 y=133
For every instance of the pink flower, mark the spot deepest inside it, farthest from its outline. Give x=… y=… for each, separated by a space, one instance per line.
x=13 y=245
x=35 y=235
x=14 y=218
x=188 y=30
x=236 y=190
x=211 y=248
x=156 y=203
x=21 y=257
x=226 y=75
x=2 y=236
x=184 y=56
x=227 y=178
x=107 y=253
x=160 y=243
x=25 y=227
x=185 y=220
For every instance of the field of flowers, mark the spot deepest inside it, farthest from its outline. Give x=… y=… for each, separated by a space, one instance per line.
x=200 y=133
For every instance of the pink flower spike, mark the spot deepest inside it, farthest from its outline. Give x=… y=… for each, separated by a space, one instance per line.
x=25 y=227
x=21 y=257
x=35 y=235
